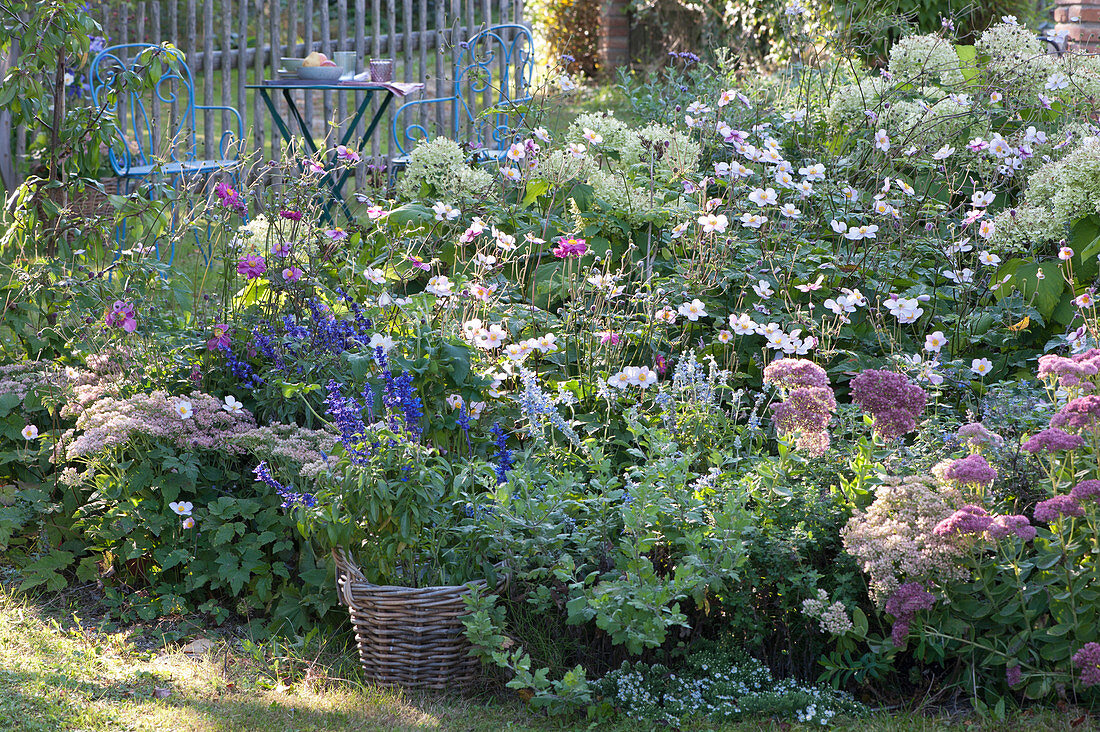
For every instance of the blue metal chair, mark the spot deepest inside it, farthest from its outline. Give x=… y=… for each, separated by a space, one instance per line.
x=492 y=79
x=140 y=148
x=155 y=132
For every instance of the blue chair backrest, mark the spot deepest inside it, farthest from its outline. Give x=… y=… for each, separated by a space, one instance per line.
x=157 y=124
x=492 y=79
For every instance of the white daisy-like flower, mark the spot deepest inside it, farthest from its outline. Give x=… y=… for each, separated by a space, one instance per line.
x=184 y=409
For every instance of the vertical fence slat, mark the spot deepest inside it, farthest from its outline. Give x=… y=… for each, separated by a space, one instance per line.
x=227 y=62
x=342 y=45
x=326 y=48
x=242 y=68
x=208 y=33
x=471 y=96
x=292 y=24
x=189 y=49
x=360 y=64
x=10 y=163
x=155 y=37
x=457 y=37
x=407 y=73
x=123 y=20
x=139 y=22
x=375 y=52
x=391 y=49
x=422 y=58
x=437 y=83
x=307 y=106
x=276 y=55
x=258 y=109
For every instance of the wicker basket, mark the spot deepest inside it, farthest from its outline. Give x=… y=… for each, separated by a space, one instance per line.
x=408 y=636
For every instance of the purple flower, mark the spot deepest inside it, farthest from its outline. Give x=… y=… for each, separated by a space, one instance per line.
x=419 y=264
x=807 y=409
x=1013 y=676
x=1014 y=525
x=967 y=520
x=903 y=605
x=251 y=266
x=281 y=248
x=346 y=154
x=570 y=246
x=336 y=234
x=1086 y=489
x=893 y=402
x=220 y=339
x=972 y=470
x=290 y=497
x=792 y=373
x=1052 y=508
x=976 y=435
x=121 y=315
x=230 y=198
x=291 y=215
x=1088 y=660
x=1052 y=439
x=1078 y=414
x=292 y=274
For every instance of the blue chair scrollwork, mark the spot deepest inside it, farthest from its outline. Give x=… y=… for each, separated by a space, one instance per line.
x=155 y=130
x=491 y=81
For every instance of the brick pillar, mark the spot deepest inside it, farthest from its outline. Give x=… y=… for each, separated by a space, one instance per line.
x=1079 y=20
x=614 y=40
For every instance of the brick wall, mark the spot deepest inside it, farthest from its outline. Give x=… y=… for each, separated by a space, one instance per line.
x=1080 y=21
x=614 y=40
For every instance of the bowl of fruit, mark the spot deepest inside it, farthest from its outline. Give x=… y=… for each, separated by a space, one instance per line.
x=318 y=67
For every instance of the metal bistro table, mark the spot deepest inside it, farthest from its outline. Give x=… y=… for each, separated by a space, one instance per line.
x=391 y=89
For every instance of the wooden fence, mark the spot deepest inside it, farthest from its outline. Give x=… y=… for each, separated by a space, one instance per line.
x=231 y=43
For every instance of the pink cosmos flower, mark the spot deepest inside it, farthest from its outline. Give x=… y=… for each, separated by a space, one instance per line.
x=220 y=339
x=251 y=266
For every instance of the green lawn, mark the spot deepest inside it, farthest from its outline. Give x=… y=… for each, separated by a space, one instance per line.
x=58 y=674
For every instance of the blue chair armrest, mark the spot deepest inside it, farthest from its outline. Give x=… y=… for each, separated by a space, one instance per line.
x=413 y=127
x=221 y=108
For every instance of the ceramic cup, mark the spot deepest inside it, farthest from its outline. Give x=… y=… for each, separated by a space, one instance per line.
x=381 y=69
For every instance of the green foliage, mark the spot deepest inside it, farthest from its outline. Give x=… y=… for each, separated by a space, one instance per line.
x=569 y=29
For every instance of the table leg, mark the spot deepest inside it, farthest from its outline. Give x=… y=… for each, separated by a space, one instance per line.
x=275 y=114
x=337 y=188
x=366 y=137
x=307 y=134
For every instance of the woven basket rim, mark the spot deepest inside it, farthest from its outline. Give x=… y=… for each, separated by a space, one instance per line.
x=349 y=572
